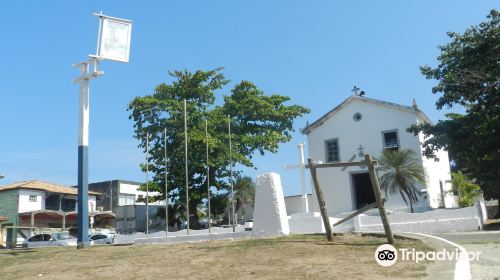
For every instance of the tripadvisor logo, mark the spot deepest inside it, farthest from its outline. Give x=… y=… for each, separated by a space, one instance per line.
x=387 y=255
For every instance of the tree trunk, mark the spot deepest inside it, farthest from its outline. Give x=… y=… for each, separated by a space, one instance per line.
x=411 y=206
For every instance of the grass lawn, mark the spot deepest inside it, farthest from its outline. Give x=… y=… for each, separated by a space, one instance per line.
x=291 y=257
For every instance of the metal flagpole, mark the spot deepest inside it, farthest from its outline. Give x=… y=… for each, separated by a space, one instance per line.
x=147 y=183
x=166 y=185
x=186 y=165
x=208 y=179
x=231 y=171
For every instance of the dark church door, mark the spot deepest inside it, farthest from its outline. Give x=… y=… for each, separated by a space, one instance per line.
x=363 y=191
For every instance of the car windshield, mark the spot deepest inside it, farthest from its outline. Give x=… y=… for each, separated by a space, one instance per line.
x=97 y=237
x=62 y=236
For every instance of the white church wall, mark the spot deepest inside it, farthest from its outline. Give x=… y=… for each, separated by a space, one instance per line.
x=367 y=132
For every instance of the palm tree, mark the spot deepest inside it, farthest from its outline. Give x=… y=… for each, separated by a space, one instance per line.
x=244 y=189
x=467 y=190
x=403 y=172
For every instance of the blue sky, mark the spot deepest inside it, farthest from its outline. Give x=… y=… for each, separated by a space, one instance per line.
x=314 y=52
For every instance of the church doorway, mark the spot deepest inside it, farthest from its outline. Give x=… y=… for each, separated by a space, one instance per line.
x=362 y=190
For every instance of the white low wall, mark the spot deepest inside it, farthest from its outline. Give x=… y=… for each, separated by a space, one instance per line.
x=312 y=222
x=436 y=221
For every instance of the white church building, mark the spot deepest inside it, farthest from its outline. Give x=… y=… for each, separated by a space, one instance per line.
x=361 y=125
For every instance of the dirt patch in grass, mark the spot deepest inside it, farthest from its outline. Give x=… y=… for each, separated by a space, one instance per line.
x=292 y=257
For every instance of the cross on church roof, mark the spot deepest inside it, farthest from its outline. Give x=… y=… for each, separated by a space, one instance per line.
x=355 y=90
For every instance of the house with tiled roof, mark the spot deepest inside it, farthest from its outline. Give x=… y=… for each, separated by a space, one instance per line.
x=42 y=205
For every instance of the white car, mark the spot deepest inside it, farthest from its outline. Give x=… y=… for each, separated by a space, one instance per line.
x=98 y=239
x=48 y=240
x=249 y=225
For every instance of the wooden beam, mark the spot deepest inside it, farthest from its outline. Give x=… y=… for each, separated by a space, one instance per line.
x=362 y=210
x=376 y=189
x=321 y=200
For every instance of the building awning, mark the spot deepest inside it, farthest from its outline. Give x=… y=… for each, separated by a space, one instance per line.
x=42 y=214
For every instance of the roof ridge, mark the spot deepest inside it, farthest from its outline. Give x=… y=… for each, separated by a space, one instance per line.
x=320 y=120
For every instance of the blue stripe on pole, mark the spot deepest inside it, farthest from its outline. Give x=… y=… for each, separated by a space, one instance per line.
x=83 y=197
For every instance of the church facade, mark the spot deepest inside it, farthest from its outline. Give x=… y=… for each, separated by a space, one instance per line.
x=361 y=125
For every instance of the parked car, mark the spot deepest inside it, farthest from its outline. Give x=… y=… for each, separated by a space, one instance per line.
x=249 y=225
x=47 y=240
x=97 y=239
x=203 y=223
x=181 y=224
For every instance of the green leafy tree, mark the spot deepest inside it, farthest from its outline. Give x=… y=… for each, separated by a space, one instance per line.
x=402 y=173
x=468 y=75
x=244 y=189
x=259 y=123
x=466 y=190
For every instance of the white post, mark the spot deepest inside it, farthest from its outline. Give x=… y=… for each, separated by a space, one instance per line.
x=302 y=167
x=305 y=205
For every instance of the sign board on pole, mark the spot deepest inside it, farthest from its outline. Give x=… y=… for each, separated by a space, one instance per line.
x=115 y=39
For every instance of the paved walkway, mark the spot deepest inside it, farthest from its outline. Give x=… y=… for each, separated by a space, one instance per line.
x=485 y=242
x=442 y=270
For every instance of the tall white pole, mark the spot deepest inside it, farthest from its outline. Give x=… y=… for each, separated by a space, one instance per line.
x=83 y=134
x=208 y=181
x=305 y=205
x=186 y=165
x=147 y=183
x=166 y=184
x=231 y=171
x=83 y=143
